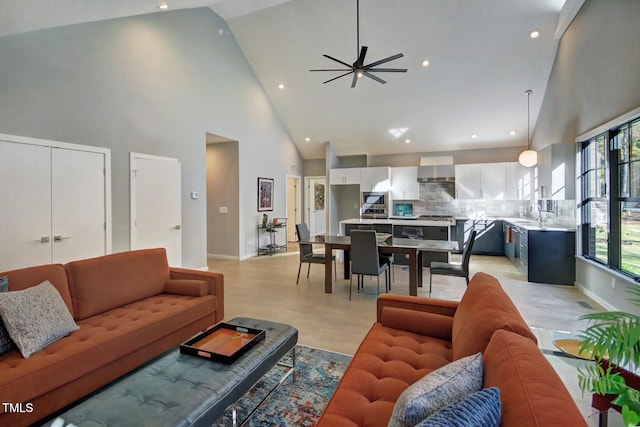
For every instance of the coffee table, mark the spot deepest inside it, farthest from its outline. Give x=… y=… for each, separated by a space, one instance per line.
x=182 y=390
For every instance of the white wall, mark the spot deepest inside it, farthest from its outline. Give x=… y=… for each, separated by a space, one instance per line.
x=152 y=84
x=595 y=79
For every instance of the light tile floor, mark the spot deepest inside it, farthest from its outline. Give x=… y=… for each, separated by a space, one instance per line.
x=265 y=287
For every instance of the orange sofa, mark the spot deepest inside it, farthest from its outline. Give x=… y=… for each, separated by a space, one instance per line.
x=414 y=336
x=130 y=307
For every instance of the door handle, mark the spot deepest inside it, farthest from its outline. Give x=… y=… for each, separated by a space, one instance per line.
x=44 y=239
x=176 y=227
x=60 y=238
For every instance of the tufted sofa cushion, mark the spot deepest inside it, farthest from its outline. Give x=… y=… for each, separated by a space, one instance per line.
x=484 y=308
x=27 y=277
x=100 y=284
x=101 y=339
x=531 y=392
x=387 y=362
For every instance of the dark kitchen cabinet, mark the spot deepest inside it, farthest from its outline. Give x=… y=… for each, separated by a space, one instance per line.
x=543 y=255
x=489 y=235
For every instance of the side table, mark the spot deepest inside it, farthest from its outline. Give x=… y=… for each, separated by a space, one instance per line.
x=272 y=229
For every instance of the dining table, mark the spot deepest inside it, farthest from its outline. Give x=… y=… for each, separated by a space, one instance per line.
x=387 y=244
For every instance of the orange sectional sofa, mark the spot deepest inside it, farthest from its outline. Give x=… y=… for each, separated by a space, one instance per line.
x=414 y=336
x=129 y=307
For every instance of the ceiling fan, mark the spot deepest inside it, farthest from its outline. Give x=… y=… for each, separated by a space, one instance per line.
x=358 y=68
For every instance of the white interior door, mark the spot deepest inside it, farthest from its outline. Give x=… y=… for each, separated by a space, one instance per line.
x=156 y=205
x=25 y=219
x=293 y=206
x=316 y=205
x=78 y=207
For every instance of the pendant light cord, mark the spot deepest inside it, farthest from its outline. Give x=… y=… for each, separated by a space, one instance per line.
x=528 y=92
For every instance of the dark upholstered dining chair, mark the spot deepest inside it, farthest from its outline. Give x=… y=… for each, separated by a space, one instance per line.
x=386 y=258
x=450 y=269
x=306 y=252
x=365 y=260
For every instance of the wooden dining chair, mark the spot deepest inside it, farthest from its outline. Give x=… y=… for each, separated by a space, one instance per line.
x=306 y=252
x=452 y=269
x=365 y=260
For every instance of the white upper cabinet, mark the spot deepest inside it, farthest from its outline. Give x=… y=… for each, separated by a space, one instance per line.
x=404 y=183
x=488 y=181
x=468 y=182
x=344 y=176
x=375 y=179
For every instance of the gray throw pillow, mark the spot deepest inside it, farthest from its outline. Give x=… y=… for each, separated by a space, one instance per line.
x=35 y=317
x=480 y=409
x=436 y=390
x=6 y=345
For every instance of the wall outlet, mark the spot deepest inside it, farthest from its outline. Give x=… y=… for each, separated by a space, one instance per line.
x=195 y=195
x=613 y=283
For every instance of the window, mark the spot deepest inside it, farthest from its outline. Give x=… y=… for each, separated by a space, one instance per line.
x=609 y=180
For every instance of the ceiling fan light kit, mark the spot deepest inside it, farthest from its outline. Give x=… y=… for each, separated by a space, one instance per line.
x=358 y=68
x=528 y=157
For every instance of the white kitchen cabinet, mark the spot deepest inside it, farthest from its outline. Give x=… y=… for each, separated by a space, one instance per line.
x=468 y=181
x=556 y=172
x=404 y=183
x=375 y=179
x=486 y=181
x=511 y=190
x=344 y=176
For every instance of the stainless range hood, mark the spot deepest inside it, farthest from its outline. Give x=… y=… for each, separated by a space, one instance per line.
x=437 y=173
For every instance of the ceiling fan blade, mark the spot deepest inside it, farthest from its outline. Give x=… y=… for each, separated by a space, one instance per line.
x=334 y=69
x=387 y=70
x=376 y=78
x=337 y=60
x=355 y=80
x=360 y=61
x=382 y=61
x=341 y=75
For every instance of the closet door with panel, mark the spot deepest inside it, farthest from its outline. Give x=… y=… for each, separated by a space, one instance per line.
x=56 y=202
x=25 y=217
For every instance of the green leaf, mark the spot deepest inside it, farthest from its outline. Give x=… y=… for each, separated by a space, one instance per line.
x=631 y=418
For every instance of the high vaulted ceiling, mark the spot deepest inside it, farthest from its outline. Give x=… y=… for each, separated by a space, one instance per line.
x=481 y=62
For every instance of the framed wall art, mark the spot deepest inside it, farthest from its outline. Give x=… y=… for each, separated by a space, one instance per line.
x=318 y=192
x=265 y=194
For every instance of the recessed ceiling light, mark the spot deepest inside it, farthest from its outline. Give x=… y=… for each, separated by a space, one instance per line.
x=474 y=136
x=163 y=6
x=280 y=86
x=407 y=141
x=534 y=34
x=425 y=63
x=513 y=133
x=307 y=139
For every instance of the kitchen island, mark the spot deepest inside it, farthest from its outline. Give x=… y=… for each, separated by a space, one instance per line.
x=417 y=229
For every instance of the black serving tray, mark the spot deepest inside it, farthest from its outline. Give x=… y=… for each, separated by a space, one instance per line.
x=223 y=342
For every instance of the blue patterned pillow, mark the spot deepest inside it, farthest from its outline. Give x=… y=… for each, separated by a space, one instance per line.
x=6 y=345
x=480 y=409
x=437 y=389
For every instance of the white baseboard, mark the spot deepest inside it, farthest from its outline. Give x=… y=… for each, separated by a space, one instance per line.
x=225 y=257
x=595 y=297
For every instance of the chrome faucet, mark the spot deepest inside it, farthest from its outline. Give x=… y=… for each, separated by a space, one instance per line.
x=540 y=217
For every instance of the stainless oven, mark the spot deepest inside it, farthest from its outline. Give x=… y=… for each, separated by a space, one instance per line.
x=374 y=204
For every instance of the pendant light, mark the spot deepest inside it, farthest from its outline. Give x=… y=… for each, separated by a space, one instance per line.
x=528 y=157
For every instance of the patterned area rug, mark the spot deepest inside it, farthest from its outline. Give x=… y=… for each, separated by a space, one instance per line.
x=301 y=397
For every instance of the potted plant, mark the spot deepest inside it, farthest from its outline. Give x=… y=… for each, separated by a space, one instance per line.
x=614 y=336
